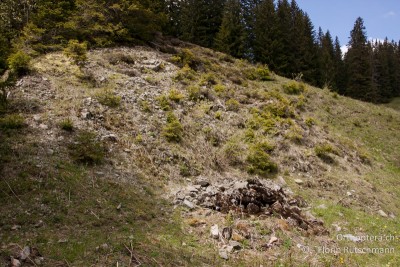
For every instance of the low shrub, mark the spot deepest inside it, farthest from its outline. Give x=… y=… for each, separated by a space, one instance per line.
x=19 y=63
x=324 y=152
x=260 y=163
x=185 y=74
x=294 y=88
x=173 y=130
x=108 y=98
x=232 y=105
x=67 y=125
x=164 y=103
x=259 y=73
x=175 y=95
x=194 y=92
x=86 y=149
x=76 y=51
x=10 y=122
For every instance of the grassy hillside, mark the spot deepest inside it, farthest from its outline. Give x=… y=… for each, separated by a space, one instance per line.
x=92 y=156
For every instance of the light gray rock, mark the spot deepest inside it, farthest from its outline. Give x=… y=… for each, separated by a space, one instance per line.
x=382 y=213
x=214 y=231
x=223 y=254
x=188 y=204
x=299 y=181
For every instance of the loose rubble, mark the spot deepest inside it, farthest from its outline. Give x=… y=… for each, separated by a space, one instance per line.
x=252 y=197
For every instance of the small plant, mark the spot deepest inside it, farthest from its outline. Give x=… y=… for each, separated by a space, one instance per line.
x=151 y=80
x=294 y=88
x=185 y=74
x=194 y=93
x=295 y=134
x=108 y=98
x=67 y=125
x=233 y=152
x=219 y=89
x=10 y=122
x=175 y=95
x=117 y=58
x=310 y=122
x=324 y=151
x=164 y=103
x=218 y=115
x=86 y=149
x=232 y=105
x=260 y=163
x=173 y=130
x=259 y=73
x=76 y=51
x=208 y=79
x=186 y=58
x=19 y=62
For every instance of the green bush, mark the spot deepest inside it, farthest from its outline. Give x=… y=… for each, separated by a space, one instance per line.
x=108 y=98
x=19 y=62
x=259 y=73
x=194 y=93
x=86 y=149
x=294 y=88
x=185 y=74
x=13 y=121
x=76 y=51
x=175 y=95
x=260 y=163
x=164 y=103
x=324 y=151
x=173 y=130
x=67 y=125
x=232 y=105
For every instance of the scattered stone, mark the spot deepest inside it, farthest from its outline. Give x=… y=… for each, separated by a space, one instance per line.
x=43 y=126
x=25 y=253
x=281 y=181
x=192 y=189
x=110 y=137
x=299 y=181
x=39 y=224
x=15 y=227
x=382 y=213
x=351 y=237
x=63 y=240
x=214 y=231
x=272 y=240
x=15 y=263
x=188 y=204
x=253 y=208
x=349 y=194
x=227 y=232
x=203 y=183
x=119 y=206
x=235 y=245
x=391 y=215
x=223 y=254
x=337 y=227
x=36 y=117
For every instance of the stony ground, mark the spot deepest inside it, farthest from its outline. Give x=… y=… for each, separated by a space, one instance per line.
x=205 y=157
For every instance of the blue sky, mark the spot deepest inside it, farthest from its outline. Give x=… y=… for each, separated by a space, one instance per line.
x=381 y=17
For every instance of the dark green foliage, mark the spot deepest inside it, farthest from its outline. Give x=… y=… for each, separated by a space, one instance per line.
x=293 y=88
x=10 y=122
x=67 y=125
x=259 y=162
x=173 y=130
x=76 y=51
x=231 y=36
x=86 y=149
x=358 y=64
x=19 y=62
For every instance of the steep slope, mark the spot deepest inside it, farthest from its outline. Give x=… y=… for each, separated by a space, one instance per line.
x=167 y=123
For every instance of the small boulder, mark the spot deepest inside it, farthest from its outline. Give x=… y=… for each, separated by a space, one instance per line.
x=214 y=231
x=382 y=213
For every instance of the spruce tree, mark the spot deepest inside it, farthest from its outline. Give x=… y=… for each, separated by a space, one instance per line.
x=339 y=79
x=358 y=64
x=231 y=36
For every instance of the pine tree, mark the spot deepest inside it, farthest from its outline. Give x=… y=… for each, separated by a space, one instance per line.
x=327 y=65
x=231 y=36
x=339 y=79
x=200 y=21
x=358 y=64
x=265 y=45
x=282 y=57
